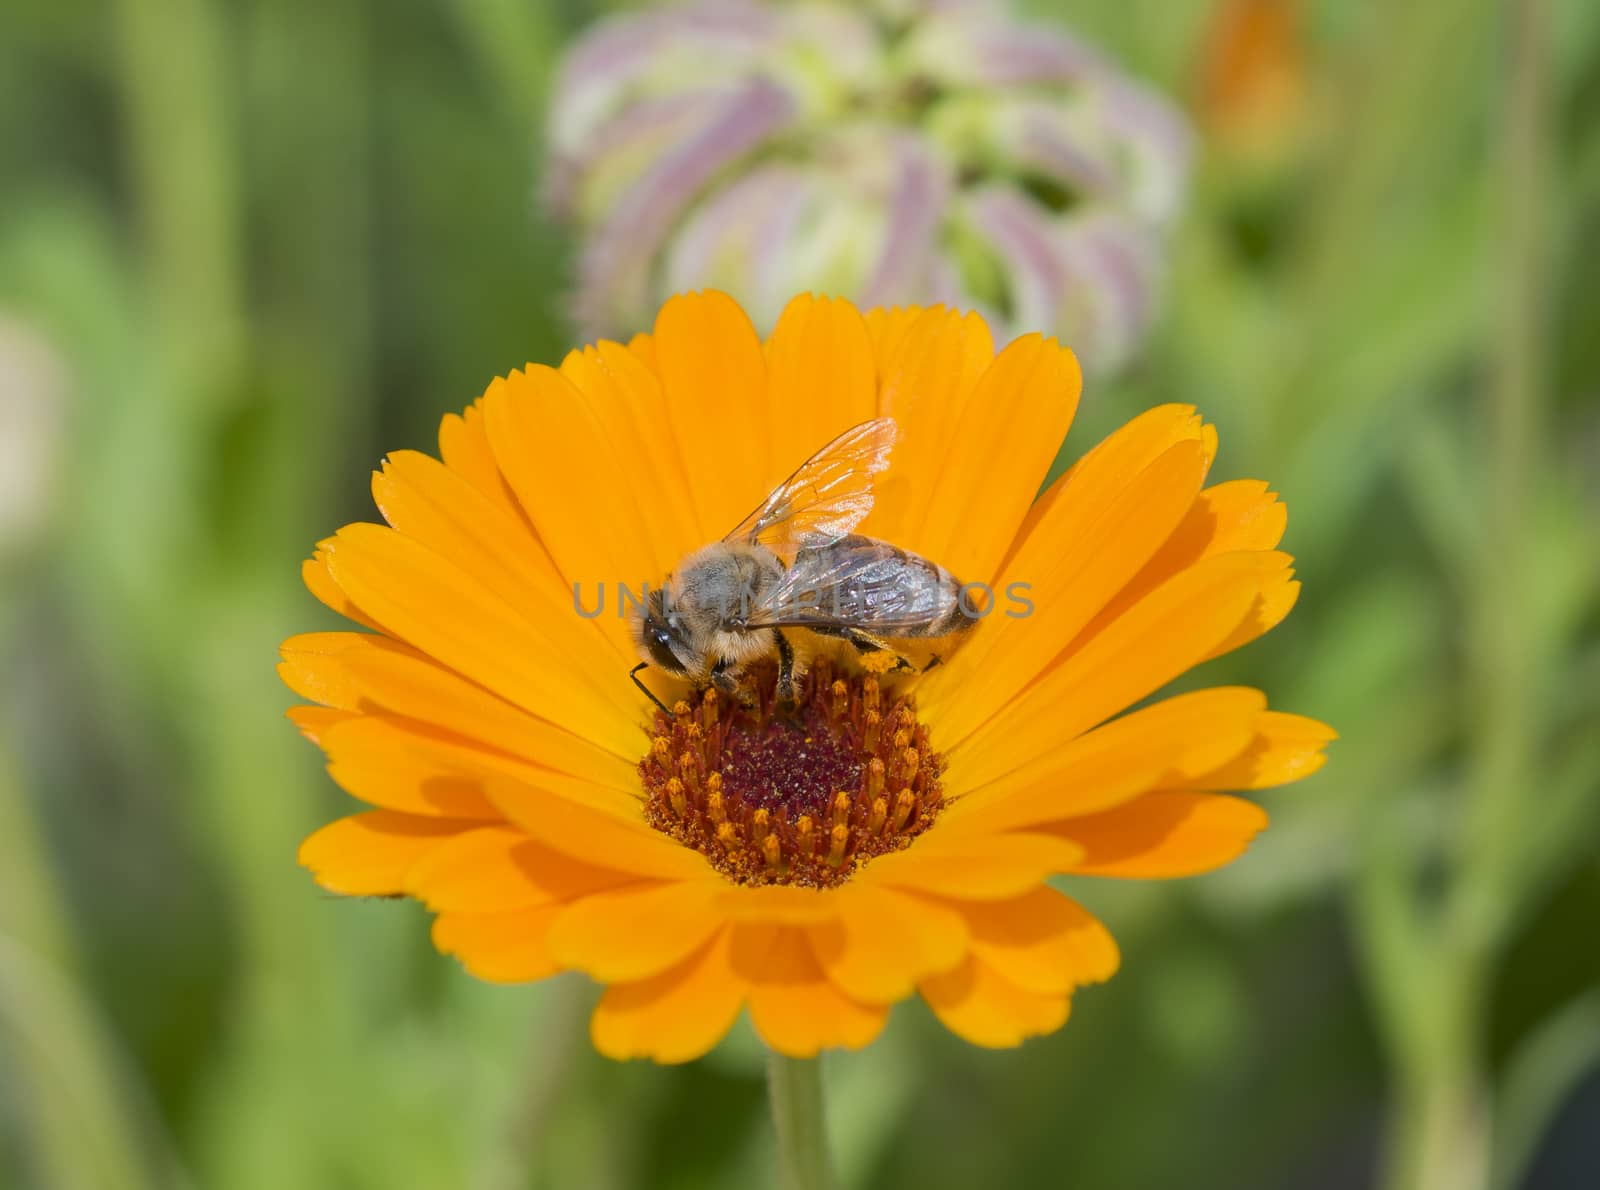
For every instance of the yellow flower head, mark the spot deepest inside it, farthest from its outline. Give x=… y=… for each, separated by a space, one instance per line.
x=891 y=832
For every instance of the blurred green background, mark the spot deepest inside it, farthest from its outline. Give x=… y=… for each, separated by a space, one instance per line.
x=246 y=246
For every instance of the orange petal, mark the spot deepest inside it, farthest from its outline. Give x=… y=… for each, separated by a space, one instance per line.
x=1227 y=518
x=979 y=1005
x=570 y=475
x=795 y=1007
x=1164 y=835
x=502 y=947
x=1277 y=598
x=1019 y=413
x=312 y=667
x=821 y=375
x=1166 y=633
x=369 y=854
x=498 y=867
x=928 y=372
x=357 y=671
x=1165 y=745
x=578 y=484
x=780 y=903
x=885 y=327
x=974 y=867
x=314 y=573
x=714 y=377
x=592 y=834
x=632 y=412
x=368 y=759
x=637 y=932
x=886 y=941
x=643 y=348
x=477 y=871
x=443 y=612
x=464 y=447
x=1042 y=942
x=313 y=721
x=423 y=499
x=1114 y=462
x=1285 y=748
x=1074 y=561
x=372 y=760
x=675 y=1016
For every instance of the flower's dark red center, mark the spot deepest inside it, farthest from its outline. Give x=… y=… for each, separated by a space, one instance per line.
x=800 y=798
x=791 y=768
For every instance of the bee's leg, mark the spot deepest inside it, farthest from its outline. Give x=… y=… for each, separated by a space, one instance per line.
x=648 y=693
x=724 y=678
x=786 y=698
x=865 y=642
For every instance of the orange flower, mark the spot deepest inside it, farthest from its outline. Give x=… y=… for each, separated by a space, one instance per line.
x=720 y=860
x=1253 y=76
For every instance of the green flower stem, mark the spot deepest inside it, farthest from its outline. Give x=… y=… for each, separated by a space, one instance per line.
x=1513 y=420
x=1442 y=1125
x=79 y=1127
x=794 y=1085
x=555 y=1059
x=174 y=75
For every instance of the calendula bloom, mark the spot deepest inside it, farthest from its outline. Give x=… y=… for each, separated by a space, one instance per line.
x=893 y=835
x=891 y=151
x=1253 y=84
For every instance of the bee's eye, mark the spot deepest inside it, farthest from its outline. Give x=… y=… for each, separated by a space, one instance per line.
x=659 y=643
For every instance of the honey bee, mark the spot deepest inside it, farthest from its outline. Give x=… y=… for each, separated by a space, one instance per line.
x=795 y=563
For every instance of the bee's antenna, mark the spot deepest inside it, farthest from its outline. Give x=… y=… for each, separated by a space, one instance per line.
x=645 y=690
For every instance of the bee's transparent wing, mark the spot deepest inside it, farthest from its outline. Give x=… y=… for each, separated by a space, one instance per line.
x=863 y=584
x=827 y=497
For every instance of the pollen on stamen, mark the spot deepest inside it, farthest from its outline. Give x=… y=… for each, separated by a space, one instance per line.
x=802 y=799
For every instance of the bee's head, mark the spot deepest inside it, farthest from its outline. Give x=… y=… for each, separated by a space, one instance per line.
x=660 y=635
